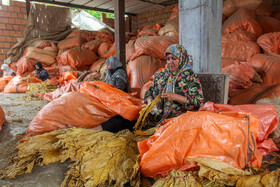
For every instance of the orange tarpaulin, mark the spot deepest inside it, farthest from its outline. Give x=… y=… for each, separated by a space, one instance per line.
x=118 y=101
x=225 y=137
x=19 y=85
x=268 y=121
x=2 y=117
x=4 y=82
x=70 y=87
x=71 y=109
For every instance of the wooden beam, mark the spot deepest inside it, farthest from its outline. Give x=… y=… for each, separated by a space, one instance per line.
x=27 y=7
x=77 y=6
x=120 y=31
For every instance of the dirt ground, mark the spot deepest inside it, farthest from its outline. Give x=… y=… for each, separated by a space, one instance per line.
x=19 y=113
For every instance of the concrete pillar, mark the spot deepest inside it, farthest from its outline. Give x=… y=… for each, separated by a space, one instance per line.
x=200 y=24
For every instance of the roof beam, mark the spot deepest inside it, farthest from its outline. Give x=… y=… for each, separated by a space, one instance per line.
x=78 y=6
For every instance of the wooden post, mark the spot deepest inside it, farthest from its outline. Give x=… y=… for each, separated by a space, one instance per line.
x=27 y=7
x=120 y=31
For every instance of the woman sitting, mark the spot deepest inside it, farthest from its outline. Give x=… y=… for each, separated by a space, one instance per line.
x=40 y=72
x=178 y=85
x=7 y=71
x=117 y=74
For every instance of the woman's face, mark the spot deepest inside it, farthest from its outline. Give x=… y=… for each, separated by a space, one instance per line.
x=37 y=67
x=172 y=62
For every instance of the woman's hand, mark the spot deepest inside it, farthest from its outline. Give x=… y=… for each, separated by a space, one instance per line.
x=170 y=96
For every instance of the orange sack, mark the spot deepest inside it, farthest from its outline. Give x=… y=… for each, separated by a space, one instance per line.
x=239 y=36
x=268 y=24
x=153 y=46
x=41 y=55
x=253 y=94
x=4 y=82
x=231 y=6
x=270 y=43
x=240 y=50
x=129 y=49
x=71 y=109
x=240 y=74
x=264 y=9
x=77 y=58
x=93 y=45
x=17 y=85
x=141 y=69
x=106 y=50
x=268 y=121
x=267 y=67
x=96 y=66
x=25 y=65
x=69 y=77
x=2 y=117
x=72 y=42
x=118 y=101
x=227 y=61
x=70 y=87
x=242 y=20
x=224 y=137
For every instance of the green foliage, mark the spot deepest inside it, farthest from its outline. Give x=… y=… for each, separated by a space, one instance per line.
x=97 y=14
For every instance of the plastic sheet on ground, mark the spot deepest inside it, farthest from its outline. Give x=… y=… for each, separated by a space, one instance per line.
x=2 y=117
x=71 y=109
x=70 y=87
x=19 y=84
x=116 y=100
x=4 y=82
x=225 y=137
x=268 y=121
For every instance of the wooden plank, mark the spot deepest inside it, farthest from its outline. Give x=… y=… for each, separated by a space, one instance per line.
x=107 y=5
x=147 y=8
x=120 y=31
x=80 y=2
x=27 y=7
x=63 y=1
x=138 y=7
x=95 y=3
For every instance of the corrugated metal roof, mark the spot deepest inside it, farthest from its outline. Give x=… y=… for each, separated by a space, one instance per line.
x=132 y=7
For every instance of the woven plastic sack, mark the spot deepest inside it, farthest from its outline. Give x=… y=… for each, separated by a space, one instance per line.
x=129 y=50
x=106 y=50
x=4 y=82
x=96 y=66
x=239 y=36
x=240 y=50
x=118 y=101
x=240 y=74
x=71 y=109
x=41 y=55
x=153 y=46
x=231 y=6
x=68 y=77
x=267 y=67
x=201 y=134
x=141 y=69
x=93 y=45
x=253 y=94
x=268 y=121
x=227 y=61
x=2 y=117
x=77 y=58
x=270 y=43
x=71 y=43
x=25 y=65
x=19 y=84
x=242 y=20
x=264 y=9
x=268 y=24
